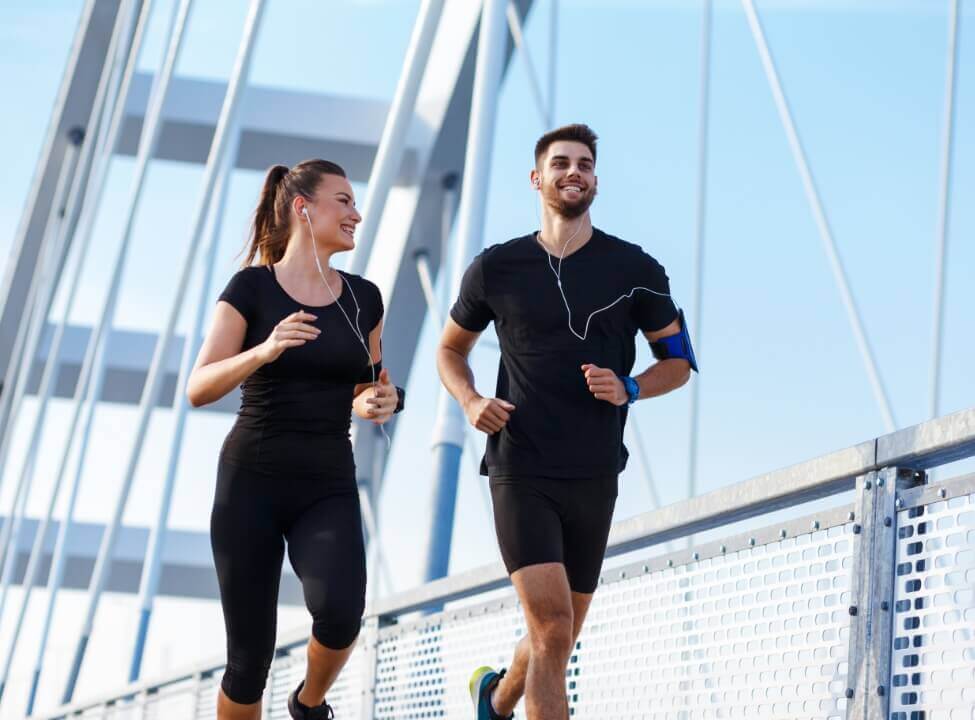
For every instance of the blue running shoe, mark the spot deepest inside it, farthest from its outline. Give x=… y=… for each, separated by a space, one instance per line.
x=481 y=684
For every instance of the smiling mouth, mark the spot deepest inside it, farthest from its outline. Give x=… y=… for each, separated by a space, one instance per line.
x=348 y=230
x=572 y=188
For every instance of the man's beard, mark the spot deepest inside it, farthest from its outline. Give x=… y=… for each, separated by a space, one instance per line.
x=571 y=210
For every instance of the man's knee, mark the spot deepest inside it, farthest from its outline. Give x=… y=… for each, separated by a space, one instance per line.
x=552 y=633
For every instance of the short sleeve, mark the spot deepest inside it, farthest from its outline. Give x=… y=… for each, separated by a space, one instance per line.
x=471 y=310
x=376 y=306
x=372 y=313
x=653 y=308
x=241 y=292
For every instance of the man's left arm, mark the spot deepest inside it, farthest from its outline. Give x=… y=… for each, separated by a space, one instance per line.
x=658 y=379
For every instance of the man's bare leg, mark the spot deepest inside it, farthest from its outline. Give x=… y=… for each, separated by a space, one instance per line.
x=511 y=687
x=548 y=606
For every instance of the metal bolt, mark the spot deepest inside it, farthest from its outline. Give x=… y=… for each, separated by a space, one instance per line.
x=646 y=568
x=854 y=610
x=815 y=525
x=884 y=605
x=723 y=549
x=867 y=485
x=670 y=563
x=887 y=522
x=751 y=541
x=942 y=493
x=880 y=482
x=695 y=556
x=856 y=528
x=849 y=692
x=898 y=503
x=850 y=517
x=880 y=690
x=622 y=574
x=782 y=533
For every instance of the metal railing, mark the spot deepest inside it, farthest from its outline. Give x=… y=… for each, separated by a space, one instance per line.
x=865 y=610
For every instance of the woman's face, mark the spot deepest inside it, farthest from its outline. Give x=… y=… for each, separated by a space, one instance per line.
x=332 y=214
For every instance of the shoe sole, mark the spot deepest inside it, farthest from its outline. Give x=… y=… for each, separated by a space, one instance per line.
x=474 y=686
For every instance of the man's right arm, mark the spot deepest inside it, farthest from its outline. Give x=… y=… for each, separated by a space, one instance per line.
x=488 y=415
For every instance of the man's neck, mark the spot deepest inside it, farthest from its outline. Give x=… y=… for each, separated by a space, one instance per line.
x=561 y=235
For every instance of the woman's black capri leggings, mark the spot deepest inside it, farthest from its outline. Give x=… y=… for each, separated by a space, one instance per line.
x=254 y=512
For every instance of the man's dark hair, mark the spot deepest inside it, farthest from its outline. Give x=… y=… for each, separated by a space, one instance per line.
x=577 y=132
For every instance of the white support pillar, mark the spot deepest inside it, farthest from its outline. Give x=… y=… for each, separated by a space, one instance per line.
x=944 y=210
x=389 y=154
x=697 y=310
x=156 y=370
x=448 y=437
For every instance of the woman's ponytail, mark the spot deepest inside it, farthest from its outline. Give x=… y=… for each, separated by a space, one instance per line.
x=269 y=232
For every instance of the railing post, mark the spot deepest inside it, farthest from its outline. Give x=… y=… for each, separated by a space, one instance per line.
x=872 y=592
x=142 y=700
x=370 y=645
x=195 y=701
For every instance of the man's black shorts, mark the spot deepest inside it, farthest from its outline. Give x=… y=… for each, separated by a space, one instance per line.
x=544 y=520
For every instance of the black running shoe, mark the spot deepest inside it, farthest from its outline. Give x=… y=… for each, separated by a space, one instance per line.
x=303 y=712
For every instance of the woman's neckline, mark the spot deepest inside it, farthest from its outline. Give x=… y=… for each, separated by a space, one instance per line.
x=274 y=276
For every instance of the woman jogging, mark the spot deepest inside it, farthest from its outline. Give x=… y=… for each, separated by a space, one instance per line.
x=303 y=340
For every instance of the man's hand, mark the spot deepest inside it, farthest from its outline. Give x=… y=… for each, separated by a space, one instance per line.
x=605 y=385
x=488 y=415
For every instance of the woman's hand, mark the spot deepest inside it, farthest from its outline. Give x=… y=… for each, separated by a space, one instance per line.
x=383 y=402
x=293 y=331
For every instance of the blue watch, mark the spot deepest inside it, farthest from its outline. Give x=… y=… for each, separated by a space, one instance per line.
x=632 y=388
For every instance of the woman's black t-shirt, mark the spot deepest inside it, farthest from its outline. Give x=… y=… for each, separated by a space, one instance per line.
x=295 y=412
x=558 y=429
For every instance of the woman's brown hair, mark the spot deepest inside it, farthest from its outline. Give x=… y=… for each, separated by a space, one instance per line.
x=272 y=218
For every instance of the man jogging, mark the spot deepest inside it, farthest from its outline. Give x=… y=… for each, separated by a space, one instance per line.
x=567 y=303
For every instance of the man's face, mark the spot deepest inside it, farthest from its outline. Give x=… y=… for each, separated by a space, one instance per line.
x=567 y=176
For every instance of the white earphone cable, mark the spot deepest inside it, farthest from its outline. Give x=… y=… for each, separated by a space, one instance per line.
x=355 y=301
x=558 y=279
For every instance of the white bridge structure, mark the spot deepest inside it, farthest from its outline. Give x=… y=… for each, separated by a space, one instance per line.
x=841 y=587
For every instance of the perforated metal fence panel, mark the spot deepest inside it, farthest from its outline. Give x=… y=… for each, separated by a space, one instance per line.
x=423 y=668
x=761 y=632
x=288 y=670
x=933 y=661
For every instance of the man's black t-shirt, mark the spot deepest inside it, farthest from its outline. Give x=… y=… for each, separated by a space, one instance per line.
x=558 y=428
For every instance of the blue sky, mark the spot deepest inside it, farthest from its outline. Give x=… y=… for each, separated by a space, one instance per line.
x=782 y=380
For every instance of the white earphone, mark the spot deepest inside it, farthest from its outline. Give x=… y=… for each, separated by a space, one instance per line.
x=318 y=264
x=355 y=325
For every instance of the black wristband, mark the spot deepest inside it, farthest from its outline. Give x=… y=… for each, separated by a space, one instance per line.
x=400 y=399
